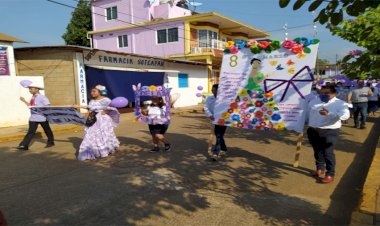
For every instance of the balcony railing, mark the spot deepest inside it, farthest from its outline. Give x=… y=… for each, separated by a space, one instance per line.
x=206 y=46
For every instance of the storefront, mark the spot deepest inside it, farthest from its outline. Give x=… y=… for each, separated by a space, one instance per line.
x=69 y=72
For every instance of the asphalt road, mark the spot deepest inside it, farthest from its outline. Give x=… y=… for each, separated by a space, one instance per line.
x=254 y=185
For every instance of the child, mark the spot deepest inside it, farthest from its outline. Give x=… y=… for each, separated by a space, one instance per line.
x=36 y=118
x=219 y=131
x=158 y=123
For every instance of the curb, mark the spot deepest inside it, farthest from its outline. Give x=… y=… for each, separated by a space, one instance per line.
x=368 y=211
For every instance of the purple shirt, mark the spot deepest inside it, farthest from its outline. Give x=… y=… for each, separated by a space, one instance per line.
x=39 y=101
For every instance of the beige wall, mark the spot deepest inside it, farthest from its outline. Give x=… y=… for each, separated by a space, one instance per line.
x=57 y=68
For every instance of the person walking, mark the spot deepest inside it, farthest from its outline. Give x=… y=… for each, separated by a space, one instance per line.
x=158 y=123
x=324 y=117
x=358 y=97
x=99 y=138
x=36 y=118
x=219 y=130
x=373 y=101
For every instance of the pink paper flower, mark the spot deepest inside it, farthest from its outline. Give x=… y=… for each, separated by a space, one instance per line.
x=234 y=49
x=297 y=49
x=252 y=43
x=288 y=44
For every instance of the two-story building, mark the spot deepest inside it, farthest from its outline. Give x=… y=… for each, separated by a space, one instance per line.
x=161 y=28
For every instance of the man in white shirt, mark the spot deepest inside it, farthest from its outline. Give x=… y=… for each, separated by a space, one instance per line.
x=324 y=116
x=219 y=131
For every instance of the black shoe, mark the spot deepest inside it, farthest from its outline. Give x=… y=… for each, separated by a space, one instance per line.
x=49 y=145
x=168 y=147
x=22 y=148
x=155 y=150
x=362 y=127
x=356 y=127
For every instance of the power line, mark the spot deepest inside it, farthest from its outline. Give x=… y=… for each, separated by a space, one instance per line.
x=148 y=28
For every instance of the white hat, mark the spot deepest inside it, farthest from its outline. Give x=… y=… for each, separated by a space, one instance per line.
x=36 y=85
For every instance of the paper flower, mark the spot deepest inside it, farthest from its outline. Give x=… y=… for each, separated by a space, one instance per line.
x=259 y=103
x=159 y=88
x=240 y=125
x=270 y=104
x=248 y=115
x=240 y=44
x=276 y=117
x=279 y=126
x=254 y=95
x=296 y=49
x=145 y=88
x=152 y=88
x=259 y=114
x=288 y=44
x=229 y=44
x=269 y=112
x=304 y=41
x=254 y=120
x=301 y=55
x=275 y=45
x=225 y=115
x=252 y=43
x=234 y=49
x=243 y=92
x=255 y=49
x=262 y=124
x=230 y=110
x=268 y=94
x=234 y=105
x=264 y=44
x=244 y=106
x=245 y=99
x=235 y=117
x=264 y=109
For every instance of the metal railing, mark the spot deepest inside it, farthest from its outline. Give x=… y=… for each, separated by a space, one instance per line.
x=206 y=46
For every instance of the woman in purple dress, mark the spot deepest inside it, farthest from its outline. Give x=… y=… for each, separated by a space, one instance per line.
x=99 y=139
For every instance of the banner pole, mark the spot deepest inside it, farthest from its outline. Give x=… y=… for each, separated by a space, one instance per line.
x=211 y=139
x=298 y=150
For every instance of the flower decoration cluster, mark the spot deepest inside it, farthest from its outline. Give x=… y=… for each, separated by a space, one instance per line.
x=355 y=52
x=253 y=110
x=296 y=46
x=151 y=88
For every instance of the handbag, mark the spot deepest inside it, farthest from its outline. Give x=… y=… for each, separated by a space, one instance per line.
x=91 y=119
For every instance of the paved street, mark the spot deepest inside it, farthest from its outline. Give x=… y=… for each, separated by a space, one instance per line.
x=254 y=185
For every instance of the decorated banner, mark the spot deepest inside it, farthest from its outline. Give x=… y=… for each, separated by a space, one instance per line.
x=4 y=66
x=263 y=84
x=60 y=115
x=152 y=91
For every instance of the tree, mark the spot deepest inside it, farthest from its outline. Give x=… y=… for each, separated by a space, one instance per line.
x=322 y=61
x=334 y=10
x=365 y=32
x=80 y=24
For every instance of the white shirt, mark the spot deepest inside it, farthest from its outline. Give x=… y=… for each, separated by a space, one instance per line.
x=338 y=110
x=209 y=105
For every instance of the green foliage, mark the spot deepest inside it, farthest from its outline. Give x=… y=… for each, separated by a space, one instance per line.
x=80 y=24
x=365 y=32
x=322 y=61
x=334 y=10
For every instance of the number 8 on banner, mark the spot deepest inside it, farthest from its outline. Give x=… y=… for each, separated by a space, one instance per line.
x=233 y=61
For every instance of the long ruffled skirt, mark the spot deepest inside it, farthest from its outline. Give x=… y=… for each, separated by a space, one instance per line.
x=99 y=140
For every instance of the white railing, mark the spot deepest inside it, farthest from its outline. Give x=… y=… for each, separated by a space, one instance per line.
x=206 y=46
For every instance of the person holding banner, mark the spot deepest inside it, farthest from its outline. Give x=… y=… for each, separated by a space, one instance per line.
x=324 y=117
x=157 y=122
x=36 y=118
x=99 y=139
x=219 y=130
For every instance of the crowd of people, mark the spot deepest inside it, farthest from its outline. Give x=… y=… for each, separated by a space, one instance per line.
x=327 y=106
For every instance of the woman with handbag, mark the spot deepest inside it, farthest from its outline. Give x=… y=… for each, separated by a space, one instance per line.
x=99 y=139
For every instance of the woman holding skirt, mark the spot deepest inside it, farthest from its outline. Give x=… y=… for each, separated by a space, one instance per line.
x=99 y=139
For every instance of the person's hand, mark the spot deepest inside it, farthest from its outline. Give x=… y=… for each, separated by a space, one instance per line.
x=22 y=99
x=324 y=112
x=212 y=118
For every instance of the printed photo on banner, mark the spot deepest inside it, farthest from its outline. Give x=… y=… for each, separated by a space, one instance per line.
x=159 y=95
x=263 y=84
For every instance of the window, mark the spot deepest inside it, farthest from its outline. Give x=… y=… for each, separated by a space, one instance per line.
x=173 y=35
x=111 y=13
x=208 y=38
x=167 y=35
x=123 y=41
x=183 y=80
x=161 y=36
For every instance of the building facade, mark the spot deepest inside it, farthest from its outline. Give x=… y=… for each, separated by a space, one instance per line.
x=161 y=28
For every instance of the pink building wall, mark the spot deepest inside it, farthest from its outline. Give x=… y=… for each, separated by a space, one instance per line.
x=128 y=12
x=143 y=40
x=166 y=11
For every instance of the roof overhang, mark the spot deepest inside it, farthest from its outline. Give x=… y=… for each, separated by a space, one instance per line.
x=8 y=38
